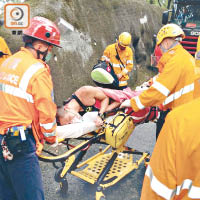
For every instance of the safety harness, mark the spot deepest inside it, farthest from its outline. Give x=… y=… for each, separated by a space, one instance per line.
x=84 y=107
x=118 y=58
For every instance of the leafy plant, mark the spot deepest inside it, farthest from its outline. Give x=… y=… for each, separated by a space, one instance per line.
x=161 y=3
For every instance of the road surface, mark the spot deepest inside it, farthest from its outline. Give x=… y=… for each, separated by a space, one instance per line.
x=129 y=188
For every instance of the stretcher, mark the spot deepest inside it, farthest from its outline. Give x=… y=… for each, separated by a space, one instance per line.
x=107 y=167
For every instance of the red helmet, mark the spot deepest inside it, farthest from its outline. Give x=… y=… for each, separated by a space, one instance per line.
x=43 y=29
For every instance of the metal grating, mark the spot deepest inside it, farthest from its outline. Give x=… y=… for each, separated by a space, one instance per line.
x=121 y=164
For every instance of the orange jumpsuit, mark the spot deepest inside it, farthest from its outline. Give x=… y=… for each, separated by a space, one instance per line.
x=173 y=172
x=26 y=93
x=197 y=70
x=4 y=48
x=174 y=85
x=126 y=57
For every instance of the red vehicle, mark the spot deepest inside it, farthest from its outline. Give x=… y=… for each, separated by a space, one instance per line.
x=185 y=13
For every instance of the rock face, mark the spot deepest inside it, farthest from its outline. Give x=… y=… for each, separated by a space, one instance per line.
x=97 y=23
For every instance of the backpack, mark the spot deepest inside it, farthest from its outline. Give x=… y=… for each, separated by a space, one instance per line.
x=104 y=76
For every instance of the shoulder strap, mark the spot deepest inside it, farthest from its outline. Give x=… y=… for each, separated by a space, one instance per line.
x=85 y=108
x=118 y=58
x=79 y=102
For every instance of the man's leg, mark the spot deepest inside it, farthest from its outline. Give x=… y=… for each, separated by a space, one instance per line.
x=6 y=189
x=25 y=175
x=20 y=178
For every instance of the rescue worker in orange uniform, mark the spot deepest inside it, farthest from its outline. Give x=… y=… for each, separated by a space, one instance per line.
x=197 y=69
x=4 y=50
x=120 y=56
x=173 y=172
x=27 y=114
x=174 y=85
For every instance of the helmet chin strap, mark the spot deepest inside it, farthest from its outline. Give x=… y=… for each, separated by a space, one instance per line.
x=44 y=53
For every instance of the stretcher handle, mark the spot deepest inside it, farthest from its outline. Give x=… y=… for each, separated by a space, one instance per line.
x=113 y=110
x=116 y=110
x=69 y=153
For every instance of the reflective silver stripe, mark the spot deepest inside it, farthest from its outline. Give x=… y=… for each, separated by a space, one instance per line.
x=50 y=134
x=125 y=71
x=179 y=93
x=193 y=191
x=17 y=92
x=161 y=88
x=48 y=126
x=166 y=193
x=186 y=184
x=28 y=75
x=154 y=78
x=138 y=102
x=117 y=65
x=129 y=62
x=159 y=187
x=122 y=82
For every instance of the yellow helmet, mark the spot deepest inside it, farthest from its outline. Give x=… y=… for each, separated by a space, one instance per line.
x=169 y=30
x=124 y=39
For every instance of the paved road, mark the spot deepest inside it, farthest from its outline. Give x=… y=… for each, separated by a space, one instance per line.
x=129 y=188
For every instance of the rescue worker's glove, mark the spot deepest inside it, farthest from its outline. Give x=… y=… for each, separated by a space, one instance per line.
x=2 y=54
x=126 y=103
x=51 y=139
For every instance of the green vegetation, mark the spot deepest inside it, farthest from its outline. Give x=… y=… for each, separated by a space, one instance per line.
x=162 y=3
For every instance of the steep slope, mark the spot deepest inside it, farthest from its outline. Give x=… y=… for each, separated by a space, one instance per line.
x=97 y=23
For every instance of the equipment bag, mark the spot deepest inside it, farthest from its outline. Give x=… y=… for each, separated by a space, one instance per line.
x=104 y=76
x=17 y=142
x=118 y=130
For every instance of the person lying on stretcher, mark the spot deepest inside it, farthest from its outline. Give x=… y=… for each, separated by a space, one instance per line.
x=87 y=99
